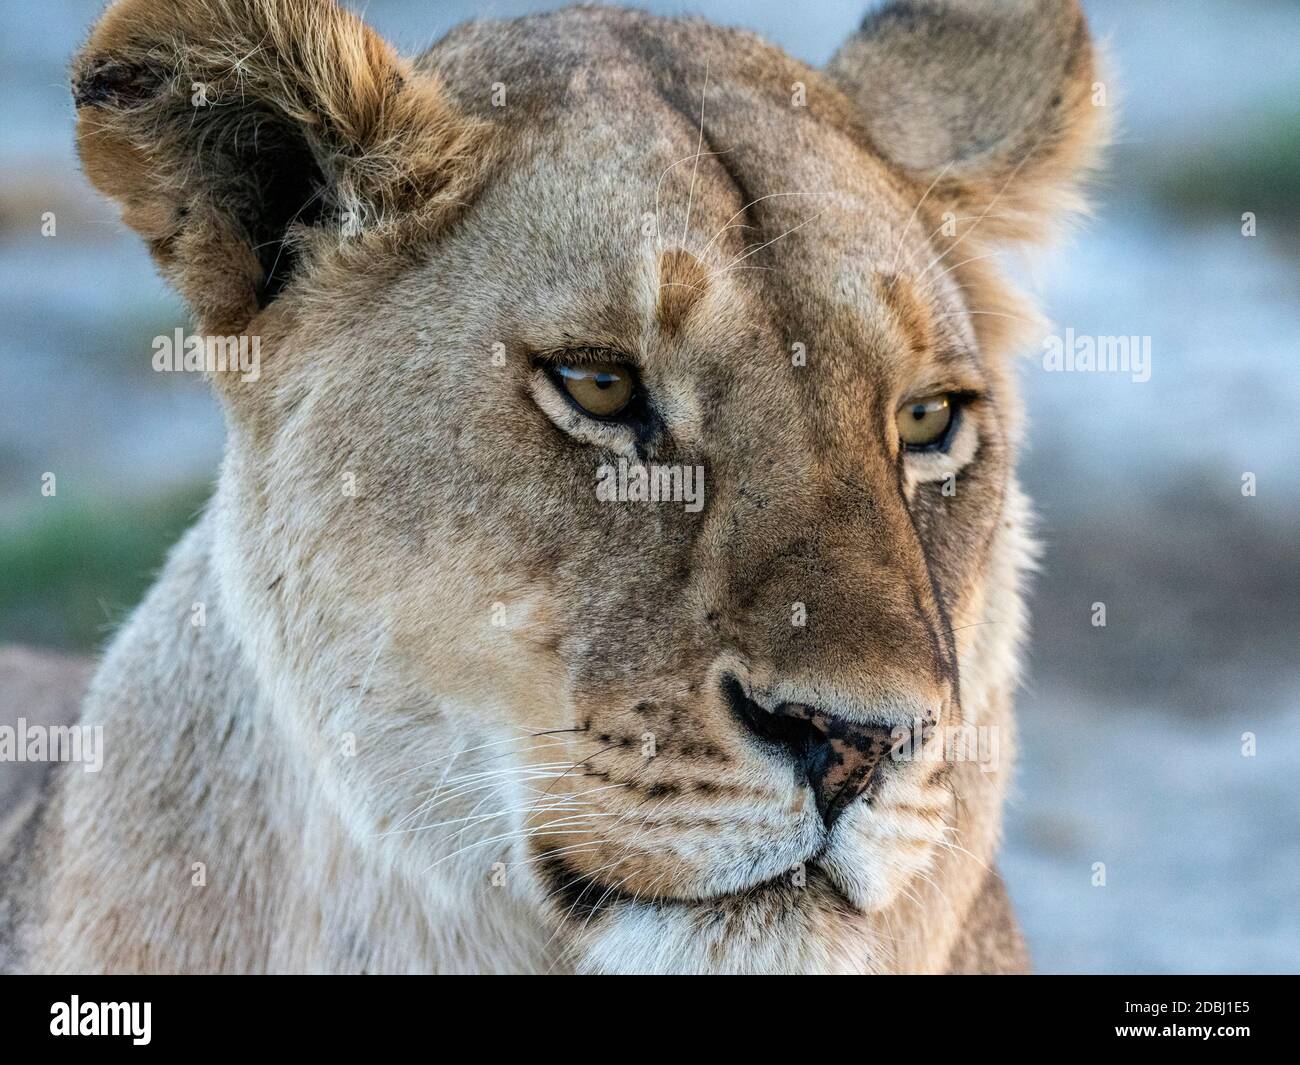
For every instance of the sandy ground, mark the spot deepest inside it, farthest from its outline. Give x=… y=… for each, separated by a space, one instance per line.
x=1201 y=854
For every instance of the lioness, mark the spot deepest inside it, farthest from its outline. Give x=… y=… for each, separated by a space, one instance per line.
x=427 y=687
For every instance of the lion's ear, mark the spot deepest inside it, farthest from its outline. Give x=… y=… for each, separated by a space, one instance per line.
x=234 y=132
x=992 y=101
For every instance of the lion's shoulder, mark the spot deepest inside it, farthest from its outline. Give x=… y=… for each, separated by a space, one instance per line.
x=37 y=689
x=991 y=941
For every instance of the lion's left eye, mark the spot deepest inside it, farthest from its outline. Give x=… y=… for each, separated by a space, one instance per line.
x=602 y=389
x=923 y=424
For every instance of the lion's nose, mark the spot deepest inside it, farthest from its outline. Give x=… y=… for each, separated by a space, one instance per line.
x=839 y=758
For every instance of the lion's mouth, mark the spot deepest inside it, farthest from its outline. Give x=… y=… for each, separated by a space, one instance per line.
x=584 y=898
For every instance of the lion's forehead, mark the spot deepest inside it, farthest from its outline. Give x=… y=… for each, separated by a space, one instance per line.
x=703 y=245
x=613 y=115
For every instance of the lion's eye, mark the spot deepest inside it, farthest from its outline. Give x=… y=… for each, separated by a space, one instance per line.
x=924 y=423
x=602 y=389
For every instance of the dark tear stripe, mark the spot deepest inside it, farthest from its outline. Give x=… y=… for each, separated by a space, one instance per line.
x=937 y=648
x=947 y=647
x=949 y=640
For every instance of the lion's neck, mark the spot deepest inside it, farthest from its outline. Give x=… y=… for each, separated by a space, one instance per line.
x=209 y=841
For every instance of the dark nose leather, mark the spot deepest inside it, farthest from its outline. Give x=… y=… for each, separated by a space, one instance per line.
x=839 y=758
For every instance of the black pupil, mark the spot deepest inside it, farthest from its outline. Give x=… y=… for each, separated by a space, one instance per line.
x=604 y=380
x=918 y=412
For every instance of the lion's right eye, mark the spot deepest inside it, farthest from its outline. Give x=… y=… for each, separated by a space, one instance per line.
x=923 y=424
x=601 y=389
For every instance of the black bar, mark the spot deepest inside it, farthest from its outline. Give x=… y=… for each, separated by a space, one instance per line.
x=307 y=1013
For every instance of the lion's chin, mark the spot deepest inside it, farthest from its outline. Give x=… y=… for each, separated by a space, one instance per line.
x=777 y=927
x=870 y=862
x=810 y=907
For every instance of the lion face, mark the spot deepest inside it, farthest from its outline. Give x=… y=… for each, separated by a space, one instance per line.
x=640 y=511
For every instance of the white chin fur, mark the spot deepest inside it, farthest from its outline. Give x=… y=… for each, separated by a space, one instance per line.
x=784 y=931
x=873 y=861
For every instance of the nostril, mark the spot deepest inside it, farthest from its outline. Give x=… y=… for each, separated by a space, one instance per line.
x=798 y=735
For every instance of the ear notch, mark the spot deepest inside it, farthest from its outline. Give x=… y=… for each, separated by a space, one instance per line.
x=989 y=100
x=238 y=133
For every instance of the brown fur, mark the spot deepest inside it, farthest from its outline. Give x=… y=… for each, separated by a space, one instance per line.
x=308 y=82
x=683 y=280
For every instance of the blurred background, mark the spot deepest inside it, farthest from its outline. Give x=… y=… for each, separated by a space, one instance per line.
x=1131 y=732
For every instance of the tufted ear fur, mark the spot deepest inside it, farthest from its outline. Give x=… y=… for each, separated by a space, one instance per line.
x=990 y=101
x=239 y=134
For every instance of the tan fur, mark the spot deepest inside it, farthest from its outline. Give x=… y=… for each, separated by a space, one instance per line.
x=450 y=710
x=683 y=280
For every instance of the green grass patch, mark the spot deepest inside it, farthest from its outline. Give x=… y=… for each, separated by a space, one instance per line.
x=73 y=572
x=1256 y=168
